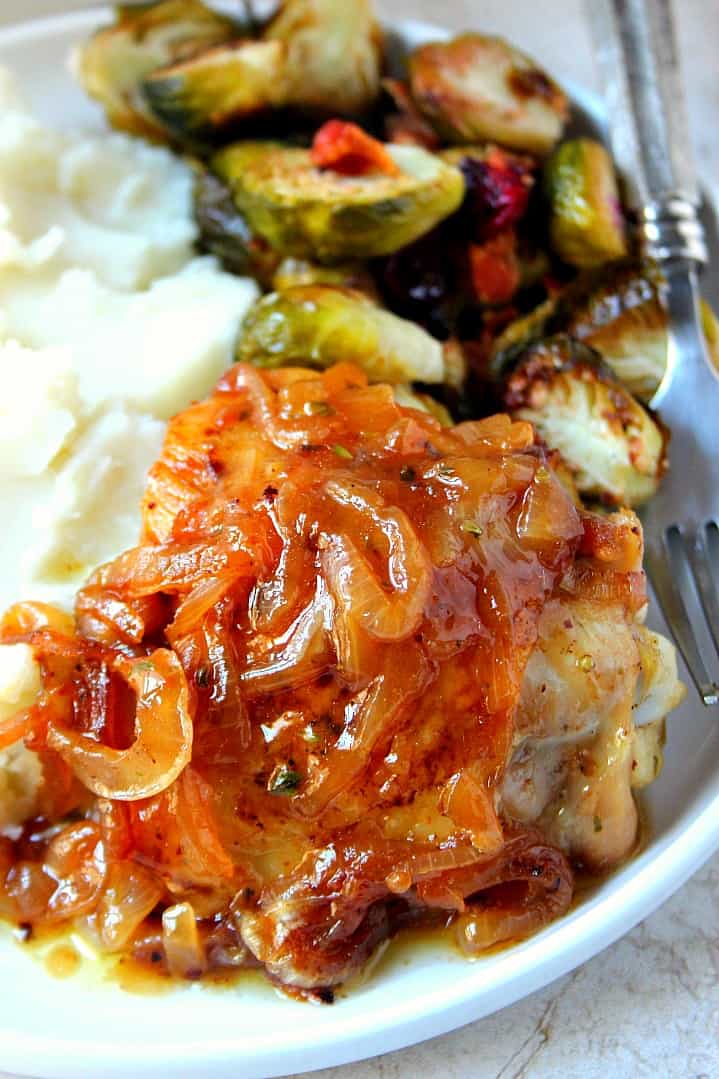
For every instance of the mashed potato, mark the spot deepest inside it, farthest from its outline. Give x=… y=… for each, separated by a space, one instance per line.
x=109 y=324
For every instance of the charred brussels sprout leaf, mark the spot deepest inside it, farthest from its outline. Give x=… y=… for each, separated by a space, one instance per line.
x=317 y=324
x=333 y=54
x=115 y=60
x=518 y=336
x=225 y=233
x=477 y=88
x=611 y=444
x=322 y=215
x=586 y=227
x=197 y=98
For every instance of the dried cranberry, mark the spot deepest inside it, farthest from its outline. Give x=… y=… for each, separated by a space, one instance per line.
x=422 y=281
x=498 y=189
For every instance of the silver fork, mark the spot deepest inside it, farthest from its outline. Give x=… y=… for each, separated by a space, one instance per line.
x=648 y=127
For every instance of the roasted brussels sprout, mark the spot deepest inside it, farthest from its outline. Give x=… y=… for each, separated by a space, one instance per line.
x=196 y=98
x=114 y=61
x=224 y=232
x=326 y=216
x=316 y=325
x=353 y=275
x=477 y=88
x=518 y=336
x=621 y=313
x=333 y=54
x=609 y=441
x=405 y=123
x=586 y=227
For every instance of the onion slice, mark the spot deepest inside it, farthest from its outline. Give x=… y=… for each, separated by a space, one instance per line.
x=163 y=727
x=388 y=615
x=184 y=952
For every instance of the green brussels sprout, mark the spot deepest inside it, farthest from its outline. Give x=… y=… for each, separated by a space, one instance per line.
x=197 y=98
x=334 y=53
x=586 y=226
x=612 y=445
x=113 y=62
x=621 y=313
x=353 y=275
x=224 y=232
x=318 y=325
x=477 y=88
x=618 y=310
x=323 y=215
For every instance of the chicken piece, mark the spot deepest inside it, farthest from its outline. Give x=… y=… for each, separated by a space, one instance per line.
x=588 y=728
x=354 y=607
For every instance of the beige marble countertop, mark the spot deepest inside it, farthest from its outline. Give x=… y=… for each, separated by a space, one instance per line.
x=649 y=1005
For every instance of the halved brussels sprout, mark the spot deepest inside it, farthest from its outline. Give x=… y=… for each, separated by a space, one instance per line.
x=405 y=123
x=317 y=325
x=477 y=88
x=196 y=98
x=586 y=226
x=333 y=54
x=323 y=215
x=113 y=62
x=612 y=445
x=353 y=275
x=621 y=313
x=518 y=336
x=224 y=232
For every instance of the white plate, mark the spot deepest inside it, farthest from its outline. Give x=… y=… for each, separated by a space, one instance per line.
x=73 y=1029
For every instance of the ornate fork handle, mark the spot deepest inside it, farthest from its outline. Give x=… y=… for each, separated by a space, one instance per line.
x=648 y=123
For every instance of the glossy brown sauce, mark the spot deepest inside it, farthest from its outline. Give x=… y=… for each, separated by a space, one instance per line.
x=61 y=958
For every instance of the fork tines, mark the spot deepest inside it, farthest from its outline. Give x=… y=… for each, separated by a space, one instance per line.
x=684 y=571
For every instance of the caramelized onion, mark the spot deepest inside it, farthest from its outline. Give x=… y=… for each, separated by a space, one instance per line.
x=393 y=613
x=183 y=948
x=130 y=893
x=298 y=655
x=163 y=728
x=143 y=571
x=193 y=609
x=27 y=617
x=76 y=859
x=470 y=805
x=534 y=893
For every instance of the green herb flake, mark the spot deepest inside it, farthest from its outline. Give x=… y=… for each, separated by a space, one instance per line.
x=284 y=780
x=310 y=736
x=342 y=451
x=407 y=474
x=597 y=823
x=473 y=528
